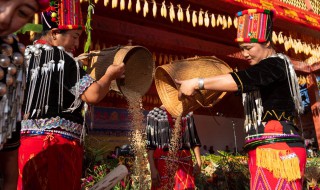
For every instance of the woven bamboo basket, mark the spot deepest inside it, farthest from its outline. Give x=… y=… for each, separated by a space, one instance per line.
x=196 y=67
x=139 y=67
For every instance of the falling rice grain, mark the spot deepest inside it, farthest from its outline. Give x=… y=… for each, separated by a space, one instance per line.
x=138 y=143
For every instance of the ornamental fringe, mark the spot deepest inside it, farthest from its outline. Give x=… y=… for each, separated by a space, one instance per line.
x=279 y=162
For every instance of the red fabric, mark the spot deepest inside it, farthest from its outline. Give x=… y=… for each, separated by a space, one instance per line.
x=273 y=126
x=43 y=4
x=49 y=162
x=41 y=42
x=184 y=175
x=262 y=179
x=170 y=119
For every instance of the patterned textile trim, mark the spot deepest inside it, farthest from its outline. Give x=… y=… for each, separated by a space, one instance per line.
x=254 y=25
x=251 y=11
x=280 y=160
x=269 y=136
x=262 y=178
x=84 y=83
x=71 y=27
x=289 y=156
x=56 y=16
x=239 y=81
x=279 y=117
x=64 y=134
x=254 y=144
x=52 y=123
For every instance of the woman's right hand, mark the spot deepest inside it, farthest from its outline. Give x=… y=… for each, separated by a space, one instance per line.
x=155 y=178
x=115 y=71
x=187 y=87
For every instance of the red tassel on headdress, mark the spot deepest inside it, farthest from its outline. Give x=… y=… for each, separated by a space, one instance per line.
x=43 y=4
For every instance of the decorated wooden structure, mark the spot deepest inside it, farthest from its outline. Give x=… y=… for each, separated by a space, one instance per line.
x=175 y=29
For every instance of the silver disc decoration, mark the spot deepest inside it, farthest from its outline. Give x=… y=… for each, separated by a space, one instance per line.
x=9 y=80
x=17 y=58
x=8 y=39
x=1 y=73
x=12 y=69
x=3 y=89
x=12 y=85
x=21 y=47
x=4 y=61
x=6 y=49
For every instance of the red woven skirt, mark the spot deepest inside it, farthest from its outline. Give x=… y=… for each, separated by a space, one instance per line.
x=49 y=162
x=262 y=179
x=184 y=175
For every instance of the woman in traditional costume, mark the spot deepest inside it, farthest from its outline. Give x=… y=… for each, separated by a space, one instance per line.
x=53 y=126
x=13 y=15
x=159 y=131
x=271 y=98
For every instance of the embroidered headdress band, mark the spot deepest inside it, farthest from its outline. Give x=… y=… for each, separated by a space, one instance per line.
x=62 y=14
x=254 y=25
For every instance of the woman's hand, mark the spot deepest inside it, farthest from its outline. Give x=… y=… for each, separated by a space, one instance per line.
x=221 y=83
x=197 y=169
x=115 y=71
x=83 y=58
x=155 y=177
x=187 y=87
x=98 y=90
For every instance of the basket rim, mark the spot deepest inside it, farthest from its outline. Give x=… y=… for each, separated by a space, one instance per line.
x=164 y=81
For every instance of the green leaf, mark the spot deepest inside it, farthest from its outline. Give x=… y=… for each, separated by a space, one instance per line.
x=88 y=27
x=30 y=27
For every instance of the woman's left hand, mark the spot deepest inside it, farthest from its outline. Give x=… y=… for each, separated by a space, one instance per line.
x=83 y=58
x=115 y=71
x=196 y=169
x=187 y=87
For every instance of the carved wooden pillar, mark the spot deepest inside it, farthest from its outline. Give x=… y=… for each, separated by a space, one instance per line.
x=313 y=91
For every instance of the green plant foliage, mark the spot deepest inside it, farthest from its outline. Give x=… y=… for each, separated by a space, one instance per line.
x=223 y=171
x=88 y=27
x=30 y=27
x=100 y=169
x=312 y=173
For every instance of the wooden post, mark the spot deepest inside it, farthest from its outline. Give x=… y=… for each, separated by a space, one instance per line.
x=313 y=91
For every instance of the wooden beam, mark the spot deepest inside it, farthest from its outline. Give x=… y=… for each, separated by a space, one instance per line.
x=301 y=66
x=315 y=67
x=155 y=38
